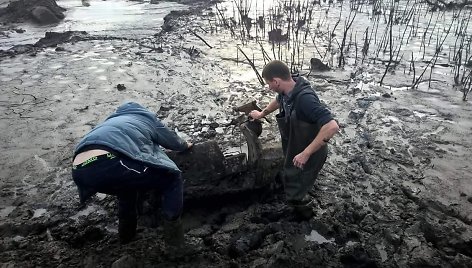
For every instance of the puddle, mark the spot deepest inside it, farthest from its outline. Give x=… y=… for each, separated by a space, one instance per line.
x=314 y=236
x=368 y=187
x=382 y=251
x=6 y=211
x=89 y=210
x=39 y=212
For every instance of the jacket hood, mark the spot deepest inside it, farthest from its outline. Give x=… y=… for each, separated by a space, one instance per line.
x=130 y=108
x=300 y=84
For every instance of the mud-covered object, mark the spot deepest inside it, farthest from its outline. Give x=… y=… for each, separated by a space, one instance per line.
x=255 y=126
x=52 y=39
x=39 y=11
x=251 y=130
x=203 y=163
x=174 y=232
x=209 y=175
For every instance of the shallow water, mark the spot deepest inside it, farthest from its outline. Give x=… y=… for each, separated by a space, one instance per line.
x=127 y=19
x=416 y=39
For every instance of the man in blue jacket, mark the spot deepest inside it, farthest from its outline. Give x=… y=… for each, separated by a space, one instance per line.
x=121 y=156
x=305 y=126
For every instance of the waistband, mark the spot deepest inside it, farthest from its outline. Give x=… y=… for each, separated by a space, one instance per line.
x=94 y=160
x=96 y=146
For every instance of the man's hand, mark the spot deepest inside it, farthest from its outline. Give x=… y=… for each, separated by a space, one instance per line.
x=255 y=114
x=300 y=160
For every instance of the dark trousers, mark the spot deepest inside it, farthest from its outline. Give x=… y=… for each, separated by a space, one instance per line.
x=124 y=177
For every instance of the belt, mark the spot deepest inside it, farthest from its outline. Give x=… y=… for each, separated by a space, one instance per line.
x=94 y=159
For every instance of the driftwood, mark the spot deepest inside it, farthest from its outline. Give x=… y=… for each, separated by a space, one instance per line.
x=201 y=38
x=259 y=77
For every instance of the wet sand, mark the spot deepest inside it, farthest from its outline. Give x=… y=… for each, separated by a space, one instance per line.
x=395 y=191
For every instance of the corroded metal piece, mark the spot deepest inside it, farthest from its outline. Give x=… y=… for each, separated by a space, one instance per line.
x=248 y=107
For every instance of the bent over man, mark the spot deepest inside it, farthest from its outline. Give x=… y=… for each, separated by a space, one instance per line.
x=305 y=126
x=122 y=156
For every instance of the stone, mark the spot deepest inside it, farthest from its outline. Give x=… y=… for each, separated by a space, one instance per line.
x=317 y=65
x=120 y=87
x=44 y=15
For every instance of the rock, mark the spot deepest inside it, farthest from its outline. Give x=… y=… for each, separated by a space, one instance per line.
x=125 y=261
x=317 y=65
x=8 y=265
x=345 y=195
x=120 y=87
x=461 y=261
x=203 y=231
x=276 y=36
x=356 y=115
x=90 y=261
x=469 y=199
x=52 y=39
x=44 y=15
x=364 y=104
x=41 y=11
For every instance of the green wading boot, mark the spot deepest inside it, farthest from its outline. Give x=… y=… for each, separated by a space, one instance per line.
x=127 y=230
x=302 y=209
x=174 y=232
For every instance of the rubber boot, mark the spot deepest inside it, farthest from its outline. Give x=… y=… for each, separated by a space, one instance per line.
x=302 y=209
x=174 y=232
x=127 y=216
x=304 y=212
x=127 y=229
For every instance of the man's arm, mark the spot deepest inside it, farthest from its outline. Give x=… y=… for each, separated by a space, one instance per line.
x=326 y=132
x=272 y=106
x=168 y=139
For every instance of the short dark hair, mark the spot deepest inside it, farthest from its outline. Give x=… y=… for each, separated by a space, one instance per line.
x=275 y=69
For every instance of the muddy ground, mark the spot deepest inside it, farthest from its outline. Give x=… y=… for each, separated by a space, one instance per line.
x=395 y=192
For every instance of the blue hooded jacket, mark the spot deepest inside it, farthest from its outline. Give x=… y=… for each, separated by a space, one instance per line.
x=137 y=133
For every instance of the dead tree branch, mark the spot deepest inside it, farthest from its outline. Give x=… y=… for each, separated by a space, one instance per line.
x=199 y=37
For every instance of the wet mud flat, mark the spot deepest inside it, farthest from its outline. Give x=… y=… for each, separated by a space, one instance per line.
x=395 y=191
